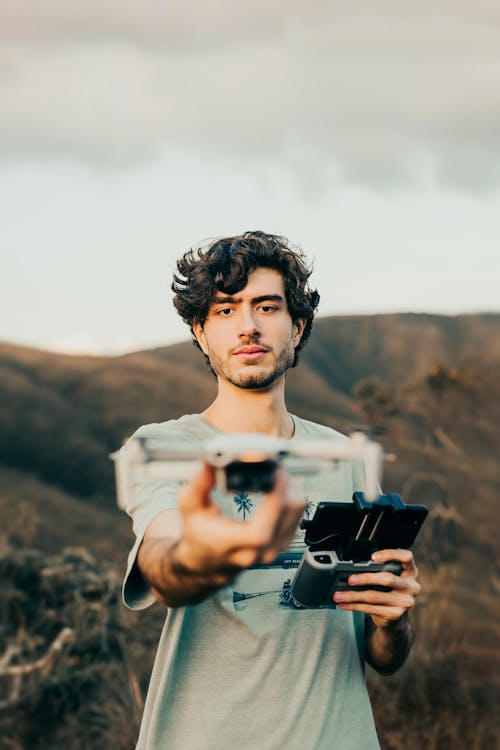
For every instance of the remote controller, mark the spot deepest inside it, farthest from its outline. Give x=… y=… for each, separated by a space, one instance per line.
x=321 y=573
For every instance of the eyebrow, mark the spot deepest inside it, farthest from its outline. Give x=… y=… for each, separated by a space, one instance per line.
x=254 y=300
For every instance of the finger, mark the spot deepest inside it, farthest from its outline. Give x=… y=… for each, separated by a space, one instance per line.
x=284 y=533
x=385 y=578
x=404 y=556
x=382 y=598
x=270 y=511
x=292 y=512
x=386 y=614
x=195 y=494
x=285 y=514
x=219 y=532
x=288 y=526
x=244 y=557
x=214 y=542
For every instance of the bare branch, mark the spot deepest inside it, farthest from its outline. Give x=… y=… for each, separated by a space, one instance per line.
x=67 y=635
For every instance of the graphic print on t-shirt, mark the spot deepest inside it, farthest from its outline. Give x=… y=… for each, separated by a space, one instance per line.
x=272 y=578
x=244 y=504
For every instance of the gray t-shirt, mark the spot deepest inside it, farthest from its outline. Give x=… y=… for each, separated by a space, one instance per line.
x=245 y=668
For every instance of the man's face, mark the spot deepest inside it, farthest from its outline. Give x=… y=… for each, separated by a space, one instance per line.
x=249 y=337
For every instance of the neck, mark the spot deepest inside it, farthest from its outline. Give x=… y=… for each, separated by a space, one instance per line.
x=239 y=410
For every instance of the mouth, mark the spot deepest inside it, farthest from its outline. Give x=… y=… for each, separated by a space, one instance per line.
x=251 y=353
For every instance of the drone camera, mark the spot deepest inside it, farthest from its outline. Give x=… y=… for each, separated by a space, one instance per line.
x=250 y=476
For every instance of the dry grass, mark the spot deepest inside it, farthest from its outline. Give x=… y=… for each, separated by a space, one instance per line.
x=87 y=693
x=447 y=695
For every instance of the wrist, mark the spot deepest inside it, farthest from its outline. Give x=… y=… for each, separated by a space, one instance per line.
x=181 y=560
x=396 y=626
x=186 y=565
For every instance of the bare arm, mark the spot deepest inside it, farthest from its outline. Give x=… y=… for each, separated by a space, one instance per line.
x=187 y=564
x=389 y=633
x=172 y=583
x=387 y=647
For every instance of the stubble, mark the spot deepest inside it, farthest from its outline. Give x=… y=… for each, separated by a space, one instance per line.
x=252 y=377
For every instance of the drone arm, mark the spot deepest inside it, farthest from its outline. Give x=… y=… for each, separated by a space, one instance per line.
x=126 y=461
x=372 y=465
x=359 y=449
x=135 y=462
x=172 y=470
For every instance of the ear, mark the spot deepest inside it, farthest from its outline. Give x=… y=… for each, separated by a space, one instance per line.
x=199 y=333
x=298 y=330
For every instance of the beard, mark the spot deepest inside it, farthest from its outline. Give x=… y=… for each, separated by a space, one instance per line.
x=262 y=378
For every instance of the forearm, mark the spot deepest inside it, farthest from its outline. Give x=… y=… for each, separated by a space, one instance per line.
x=386 y=648
x=170 y=578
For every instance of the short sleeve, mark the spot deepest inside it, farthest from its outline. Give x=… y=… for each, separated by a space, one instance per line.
x=148 y=498
x=155 y=497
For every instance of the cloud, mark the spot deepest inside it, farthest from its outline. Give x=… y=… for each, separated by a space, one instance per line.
x=92 y=343
x=183 y=25
x=373 y=92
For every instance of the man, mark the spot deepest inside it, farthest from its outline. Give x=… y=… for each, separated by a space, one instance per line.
x=238 y=664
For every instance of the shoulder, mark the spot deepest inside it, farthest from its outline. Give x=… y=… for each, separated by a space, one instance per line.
x=307 y=429
x=187 y=427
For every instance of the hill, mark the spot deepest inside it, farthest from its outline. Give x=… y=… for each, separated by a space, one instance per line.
x=61 y=415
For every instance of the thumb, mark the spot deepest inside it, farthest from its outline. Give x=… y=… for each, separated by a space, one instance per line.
x=195 y=494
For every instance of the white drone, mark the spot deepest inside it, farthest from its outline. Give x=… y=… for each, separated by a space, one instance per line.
x=242 y=461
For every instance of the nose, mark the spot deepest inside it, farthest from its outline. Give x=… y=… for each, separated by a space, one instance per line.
x=248 y=327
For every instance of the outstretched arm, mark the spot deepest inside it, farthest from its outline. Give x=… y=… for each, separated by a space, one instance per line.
x=212 y=549
x=389 y=633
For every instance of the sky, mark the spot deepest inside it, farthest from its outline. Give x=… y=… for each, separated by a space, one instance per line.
x=366 y=132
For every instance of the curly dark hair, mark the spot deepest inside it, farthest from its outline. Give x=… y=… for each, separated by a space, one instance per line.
x=224 y=266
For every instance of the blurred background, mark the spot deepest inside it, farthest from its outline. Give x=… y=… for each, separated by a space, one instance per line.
x=366 y=132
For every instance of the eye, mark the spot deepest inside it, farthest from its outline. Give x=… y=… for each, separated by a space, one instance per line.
x=225 y=312
x=268 y=308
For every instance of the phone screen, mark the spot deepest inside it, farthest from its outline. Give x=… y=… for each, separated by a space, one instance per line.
x=335 y=525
